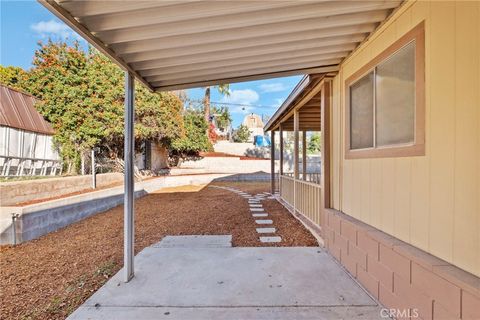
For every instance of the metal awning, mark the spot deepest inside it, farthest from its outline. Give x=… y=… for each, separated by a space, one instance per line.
x=170 y=45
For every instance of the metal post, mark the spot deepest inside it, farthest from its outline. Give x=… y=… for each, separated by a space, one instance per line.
x=94 y=171
x=128 y=226
x=296 y=124
x=272 y=159
x=304 y=155
x=281 y=150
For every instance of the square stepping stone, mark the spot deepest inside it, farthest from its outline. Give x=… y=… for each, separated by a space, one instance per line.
x=257 y=209
x=253 y=201
x=270 y=239
x=266 y=230
x=264 y=221
x=258 y=215
x=255 y=205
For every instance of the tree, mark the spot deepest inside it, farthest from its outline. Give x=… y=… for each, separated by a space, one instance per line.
x=82 y=95
x=315 y=143
x=241 y=134
x=223 y=116
x=195 y=139
x=12 y=76
x=223 y=89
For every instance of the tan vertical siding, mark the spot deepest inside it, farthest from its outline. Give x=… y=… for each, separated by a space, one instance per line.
x=430 y=201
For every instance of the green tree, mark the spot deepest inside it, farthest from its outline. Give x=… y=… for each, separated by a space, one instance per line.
x=195 y=139
x=223 y=89
x=314 y=143
x=12 y=77
x=241 y=134
x=223 y=116
x=82 y=95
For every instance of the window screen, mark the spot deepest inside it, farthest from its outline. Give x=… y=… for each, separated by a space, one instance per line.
x=395 y=98
x=361 y=113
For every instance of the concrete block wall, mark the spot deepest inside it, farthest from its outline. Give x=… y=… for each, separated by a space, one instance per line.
x=15 y=192
x=399 y=275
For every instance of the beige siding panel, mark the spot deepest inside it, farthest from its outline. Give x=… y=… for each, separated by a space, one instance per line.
x=431 y=201
x=420 y=203
x=387 y=197
x=375 y=192
x=466 y=127
x=402 y=198
x=365 y=188
x=442 y=122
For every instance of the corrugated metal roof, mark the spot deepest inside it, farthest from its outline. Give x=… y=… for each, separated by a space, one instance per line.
x=17 y=110
x=171 y=45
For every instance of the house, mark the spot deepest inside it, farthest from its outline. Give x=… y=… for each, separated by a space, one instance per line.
x=398 y=203
x=26 y=145
x=394 y=88
x=254 y=124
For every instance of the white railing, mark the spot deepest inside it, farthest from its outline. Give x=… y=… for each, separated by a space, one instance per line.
x=303 y=196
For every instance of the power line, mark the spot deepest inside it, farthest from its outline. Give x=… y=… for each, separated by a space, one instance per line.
x=235 y=104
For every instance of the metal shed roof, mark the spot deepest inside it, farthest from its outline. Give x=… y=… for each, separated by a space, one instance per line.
x=170 y=45
x=17 y=110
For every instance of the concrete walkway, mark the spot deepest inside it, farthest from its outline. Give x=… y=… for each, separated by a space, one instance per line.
x=203 y=277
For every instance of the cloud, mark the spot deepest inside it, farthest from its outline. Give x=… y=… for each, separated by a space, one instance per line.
x=273 y=87
x=54 y=28
x=241 y=100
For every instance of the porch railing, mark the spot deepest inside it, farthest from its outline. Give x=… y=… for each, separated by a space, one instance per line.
x=303 y=196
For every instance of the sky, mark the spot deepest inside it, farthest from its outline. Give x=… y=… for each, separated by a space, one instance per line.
x=24 y=23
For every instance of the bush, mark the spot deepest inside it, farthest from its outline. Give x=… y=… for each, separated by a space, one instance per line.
x=195 y=139
x=241 y=134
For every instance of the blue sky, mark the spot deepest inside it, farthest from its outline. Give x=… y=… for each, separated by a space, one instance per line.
x=24 y=23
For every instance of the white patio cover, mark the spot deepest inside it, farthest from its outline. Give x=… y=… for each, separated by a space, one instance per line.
x=170 y=45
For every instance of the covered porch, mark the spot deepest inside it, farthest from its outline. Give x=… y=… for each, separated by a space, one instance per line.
x=302 y=186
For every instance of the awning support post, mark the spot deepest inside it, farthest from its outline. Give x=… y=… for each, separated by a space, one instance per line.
x=272 y=159
x=128 y=219
x=304 y=155
x=296 y=125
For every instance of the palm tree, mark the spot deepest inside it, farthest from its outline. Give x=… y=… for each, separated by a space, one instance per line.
x=223 y=89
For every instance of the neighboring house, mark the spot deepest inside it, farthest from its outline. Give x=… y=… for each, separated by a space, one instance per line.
x=26 y=146
x=398 y=202
x=254 y=124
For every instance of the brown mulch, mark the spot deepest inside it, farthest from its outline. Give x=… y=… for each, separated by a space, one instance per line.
x=49 y=277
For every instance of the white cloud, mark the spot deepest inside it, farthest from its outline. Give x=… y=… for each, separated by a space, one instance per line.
x=273 y=87
x=54 y=28
x=241 y=100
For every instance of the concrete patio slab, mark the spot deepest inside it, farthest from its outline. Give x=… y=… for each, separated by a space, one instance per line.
x=236 y=283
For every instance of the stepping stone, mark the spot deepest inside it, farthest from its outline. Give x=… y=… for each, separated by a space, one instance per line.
x=253 y=201
x=270 y=239
x=266 y=230
x=256 y=209
x=255 y=205
x=264 y=221
x=195 y=241
x=258 y=215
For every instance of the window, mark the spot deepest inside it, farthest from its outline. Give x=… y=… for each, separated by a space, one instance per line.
x=385 y=102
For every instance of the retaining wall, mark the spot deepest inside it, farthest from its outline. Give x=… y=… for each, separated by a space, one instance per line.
x=15 y=192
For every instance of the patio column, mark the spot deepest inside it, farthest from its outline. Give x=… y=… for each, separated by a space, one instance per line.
x=296 y=124
x=281 y=150
x=304 y=155
x=128 y=214
x=272 y=159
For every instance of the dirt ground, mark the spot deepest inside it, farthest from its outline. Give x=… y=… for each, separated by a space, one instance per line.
x=49 y=277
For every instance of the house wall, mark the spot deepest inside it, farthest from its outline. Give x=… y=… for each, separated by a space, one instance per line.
x=431 y=202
